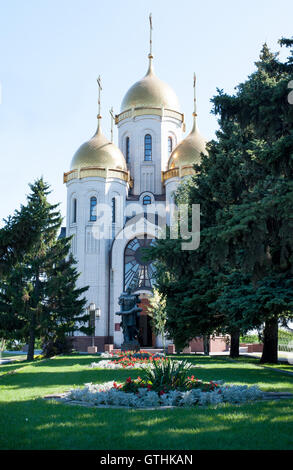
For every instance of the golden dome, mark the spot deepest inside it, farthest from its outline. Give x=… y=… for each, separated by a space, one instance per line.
x=188 y=151
x=98 y=152
x=150 y=92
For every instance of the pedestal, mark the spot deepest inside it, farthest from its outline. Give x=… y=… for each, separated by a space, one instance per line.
x=92 y=349
x=108 y=347
x=171 y=348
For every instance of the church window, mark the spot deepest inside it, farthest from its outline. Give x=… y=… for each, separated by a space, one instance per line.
x=146 y=200
x=113 y=210
x=138 y=273
x=93 y=209
x=74 y=210
x=127 y=149
x=170 y=145
x=148 y=147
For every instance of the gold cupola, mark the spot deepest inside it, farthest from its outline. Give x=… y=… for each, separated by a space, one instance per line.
x=150 y=92
x=150 y=96
x=98 y=157
x=188 y=151
x=98 y=152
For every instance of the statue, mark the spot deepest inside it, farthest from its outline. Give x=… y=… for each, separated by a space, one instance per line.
x=129 y=319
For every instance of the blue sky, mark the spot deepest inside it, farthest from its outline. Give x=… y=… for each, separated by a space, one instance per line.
x=51 y=53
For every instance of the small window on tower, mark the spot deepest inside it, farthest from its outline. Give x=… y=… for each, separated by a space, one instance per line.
x=113 y=210
x=146 y=200
x=74 y=210
x=148 y=147
x=93 y=209
x=127 y=149
x=170 y=145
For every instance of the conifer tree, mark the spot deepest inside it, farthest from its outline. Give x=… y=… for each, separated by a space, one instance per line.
x=261 y=227
x=38 y=296
x=240 y=276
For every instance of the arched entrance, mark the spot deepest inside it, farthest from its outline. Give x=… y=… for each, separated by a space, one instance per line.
x=129 y=268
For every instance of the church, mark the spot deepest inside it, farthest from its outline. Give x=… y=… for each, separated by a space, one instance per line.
x=112 y=189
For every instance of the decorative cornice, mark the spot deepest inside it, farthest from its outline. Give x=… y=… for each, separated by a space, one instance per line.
x=178 y=172
x=143 y=110
x=96 y=172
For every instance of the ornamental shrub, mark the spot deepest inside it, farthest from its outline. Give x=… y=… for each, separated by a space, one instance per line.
x=167 y=375
x=108 y=394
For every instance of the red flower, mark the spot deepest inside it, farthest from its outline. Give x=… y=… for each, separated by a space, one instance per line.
x=149 y=387
x=162 y=392
x=128 y=380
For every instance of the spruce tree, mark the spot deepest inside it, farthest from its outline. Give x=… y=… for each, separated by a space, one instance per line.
x=38 y=296
x=240 y=276
x=261 y=226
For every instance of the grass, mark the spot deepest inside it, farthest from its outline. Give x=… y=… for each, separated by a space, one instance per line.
x=13 y=357
x=30 y=422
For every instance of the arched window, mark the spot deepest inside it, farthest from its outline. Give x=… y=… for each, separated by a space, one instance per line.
x=147 y=200
x=139 y=273
x=148 y=147
x=74 y=210
x=127 y=149
x=93 y=209
x=170 y=145
x=113 y=210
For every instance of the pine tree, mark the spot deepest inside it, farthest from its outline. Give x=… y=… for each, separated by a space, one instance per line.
x=261 y=226
x=64 y=306
x=240 y=276
x=17 y=236
x=38 y=296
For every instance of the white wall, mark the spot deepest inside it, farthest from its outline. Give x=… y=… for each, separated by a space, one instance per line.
x=147 y=174
x=90 y=250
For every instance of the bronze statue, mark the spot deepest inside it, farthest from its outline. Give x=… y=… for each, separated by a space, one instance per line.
x=129 y=319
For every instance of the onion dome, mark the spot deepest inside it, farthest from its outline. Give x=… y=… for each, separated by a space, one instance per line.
x=188 y=151
x=150 y=92
x=98 y=152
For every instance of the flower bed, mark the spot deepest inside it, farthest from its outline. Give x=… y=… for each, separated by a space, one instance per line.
x=163 y=382
x=113 y=394
x=138 y=355
x=129 y=360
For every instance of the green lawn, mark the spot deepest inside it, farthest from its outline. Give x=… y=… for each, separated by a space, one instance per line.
x=29 y=422
x=14 y=357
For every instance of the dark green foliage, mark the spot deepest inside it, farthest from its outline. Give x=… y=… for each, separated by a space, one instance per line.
x=167 y=375
x=38 y=294
x=241 y=275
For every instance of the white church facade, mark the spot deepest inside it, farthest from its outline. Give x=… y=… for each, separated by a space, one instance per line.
x=105 y=186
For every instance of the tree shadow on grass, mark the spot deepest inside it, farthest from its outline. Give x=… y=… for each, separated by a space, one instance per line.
x=63 y=377
x=9 y=368
x=40 y=424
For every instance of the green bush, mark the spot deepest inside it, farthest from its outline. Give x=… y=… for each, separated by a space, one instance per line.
x=53 y=347
x=167 y=374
